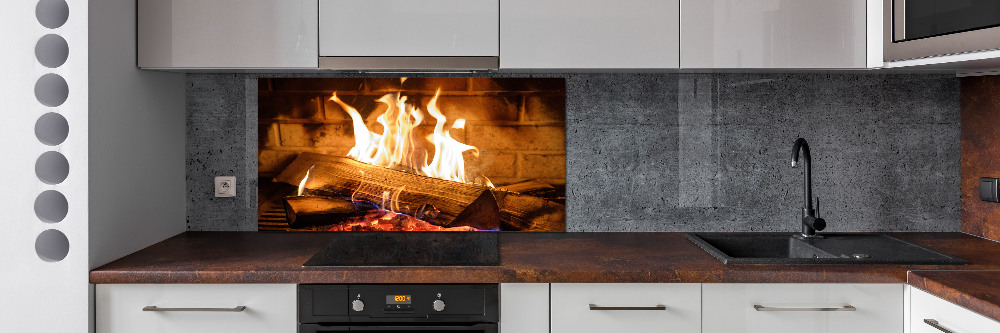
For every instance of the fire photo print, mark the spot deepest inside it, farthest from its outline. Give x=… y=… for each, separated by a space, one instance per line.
x=411 y=154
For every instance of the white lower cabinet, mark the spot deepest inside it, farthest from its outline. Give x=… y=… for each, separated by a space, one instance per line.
x=626 y=307
x=196 y=308
x=802 y=308
x=524 y=308
x=930 y=314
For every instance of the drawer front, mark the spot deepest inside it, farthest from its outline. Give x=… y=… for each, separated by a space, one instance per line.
x=730 y=308
x=269 y=308
x=949 y=316
x=626 y=307
x=408 y=28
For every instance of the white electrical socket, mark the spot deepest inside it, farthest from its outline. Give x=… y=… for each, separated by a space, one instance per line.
x=225 y=186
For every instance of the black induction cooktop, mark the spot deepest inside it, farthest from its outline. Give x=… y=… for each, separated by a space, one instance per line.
x=409 y=248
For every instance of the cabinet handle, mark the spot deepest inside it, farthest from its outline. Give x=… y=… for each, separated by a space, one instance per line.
x=935 y=324
x=759 y=307
x=233 y=309
x=630 y=308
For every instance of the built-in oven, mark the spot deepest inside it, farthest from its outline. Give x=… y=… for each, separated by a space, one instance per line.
x=465 y=308
x=927 y=28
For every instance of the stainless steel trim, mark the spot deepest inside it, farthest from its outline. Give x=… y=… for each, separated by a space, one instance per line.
x=158 y=309
x=628 y=308
x=898 y=20
x=963 y=42
x=934 y=323
x=409 y=63
x=759 y=307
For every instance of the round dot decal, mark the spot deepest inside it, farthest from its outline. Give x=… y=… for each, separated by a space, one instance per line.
x=51 y=129
x=52 y=168
x=52 y=13
x=51 y=51
x=51 y=90
x=52 y=245
x=51 y=206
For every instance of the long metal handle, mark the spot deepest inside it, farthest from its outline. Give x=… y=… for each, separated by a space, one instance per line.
x=935 y=324
x=898 y=17
x=629 y=308
x=233 y=309
x=759 y=307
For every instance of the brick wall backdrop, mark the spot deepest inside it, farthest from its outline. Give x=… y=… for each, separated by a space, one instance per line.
x=518 y=124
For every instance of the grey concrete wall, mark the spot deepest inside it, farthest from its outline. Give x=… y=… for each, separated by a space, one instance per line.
x=682 y=152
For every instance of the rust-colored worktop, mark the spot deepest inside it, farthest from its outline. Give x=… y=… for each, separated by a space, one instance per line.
x=978 y=291
x=261 y=257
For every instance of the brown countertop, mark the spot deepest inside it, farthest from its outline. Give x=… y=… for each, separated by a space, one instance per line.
x=978 y=291
x=262 y=257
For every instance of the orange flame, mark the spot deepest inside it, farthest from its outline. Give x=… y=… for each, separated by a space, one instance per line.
x=397 y=146
x=302 y=184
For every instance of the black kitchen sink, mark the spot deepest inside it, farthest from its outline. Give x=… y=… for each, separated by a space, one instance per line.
x=789 y=248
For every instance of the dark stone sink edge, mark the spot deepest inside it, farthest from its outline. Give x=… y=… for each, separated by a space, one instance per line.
x=727 y=260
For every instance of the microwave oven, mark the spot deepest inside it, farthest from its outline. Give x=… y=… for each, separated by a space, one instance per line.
x=915 y=29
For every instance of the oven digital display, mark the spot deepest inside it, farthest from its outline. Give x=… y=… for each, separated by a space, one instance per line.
x=397 y=299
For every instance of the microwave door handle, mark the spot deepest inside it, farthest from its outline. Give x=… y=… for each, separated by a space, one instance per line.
x=898 y=18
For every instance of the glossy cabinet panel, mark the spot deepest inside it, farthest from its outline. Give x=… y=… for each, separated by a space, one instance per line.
x=408 y=28
x=802 y=308
x=268 y=308
x=589 y=34
x=524 y=308
x=626 y=307
x=773 y=34
x=944 y=314
x=227 y=34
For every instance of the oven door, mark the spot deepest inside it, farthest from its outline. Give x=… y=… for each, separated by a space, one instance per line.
x=927 y=28
x=472 y=328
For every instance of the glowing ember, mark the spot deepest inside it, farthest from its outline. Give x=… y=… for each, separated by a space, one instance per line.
x=397 y=146
x=389 y=221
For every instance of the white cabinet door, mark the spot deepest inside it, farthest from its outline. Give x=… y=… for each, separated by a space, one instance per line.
x=409 y=28
x=269 y=308
x=794 y=308
x=774 y=34
x=524 y=308
x=951 y=317
x=227 y=34
x=626 y=307
x=589 y=34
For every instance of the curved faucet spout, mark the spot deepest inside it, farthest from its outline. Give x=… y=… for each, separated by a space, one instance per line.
x=803 y=146
x=810 y=222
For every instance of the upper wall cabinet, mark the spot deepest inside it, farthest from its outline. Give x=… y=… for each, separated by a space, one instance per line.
x=408 y=34
x=777 y=33
x=589 y=34
x=221 y=34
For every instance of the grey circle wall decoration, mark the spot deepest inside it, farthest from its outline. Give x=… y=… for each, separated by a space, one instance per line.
x=52 y=245
x=51 y=206
x=52 y=167
x=51 y=51
x=51 y=90
x=52 y=13
x=51 y=129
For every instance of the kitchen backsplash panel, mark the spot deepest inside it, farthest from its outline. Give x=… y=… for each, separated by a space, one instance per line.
x=680 y=152
x=980 y=153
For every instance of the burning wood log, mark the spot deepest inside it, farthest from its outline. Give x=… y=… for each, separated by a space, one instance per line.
x=459 y=204
x=303 y=211
x=527 y=186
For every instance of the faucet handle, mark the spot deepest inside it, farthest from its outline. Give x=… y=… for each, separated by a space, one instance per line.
x=817 y=206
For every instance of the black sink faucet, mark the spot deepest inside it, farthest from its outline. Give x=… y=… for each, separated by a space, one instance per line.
x=810 y=222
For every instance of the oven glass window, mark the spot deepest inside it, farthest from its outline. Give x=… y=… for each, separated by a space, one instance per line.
x=928 y=18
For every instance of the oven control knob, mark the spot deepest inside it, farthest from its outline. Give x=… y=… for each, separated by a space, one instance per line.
x=358 y=305
x=438 y=305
